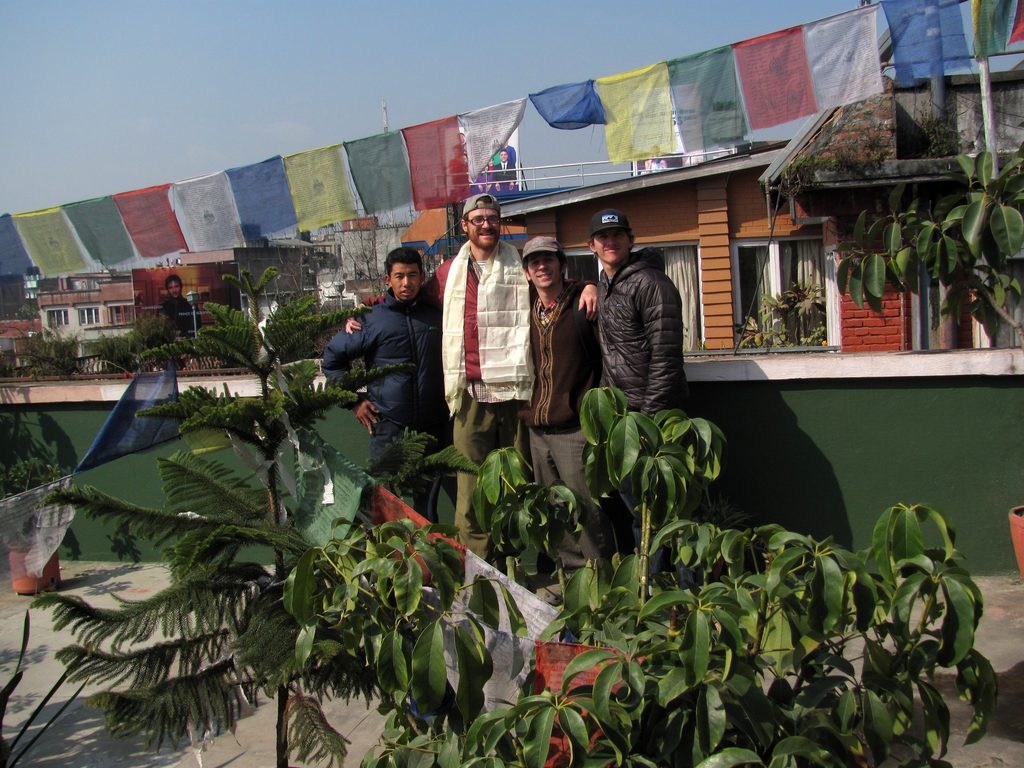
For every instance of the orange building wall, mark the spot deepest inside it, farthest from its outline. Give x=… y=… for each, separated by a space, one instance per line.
x=712 y=212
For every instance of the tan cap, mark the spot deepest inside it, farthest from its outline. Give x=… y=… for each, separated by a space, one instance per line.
x=482 y=201
x=543 y=244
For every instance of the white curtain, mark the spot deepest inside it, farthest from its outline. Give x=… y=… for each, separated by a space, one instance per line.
x=681 y=266
x=803 y=262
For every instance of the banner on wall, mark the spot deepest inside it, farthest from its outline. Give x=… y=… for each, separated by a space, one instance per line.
x=155 y=293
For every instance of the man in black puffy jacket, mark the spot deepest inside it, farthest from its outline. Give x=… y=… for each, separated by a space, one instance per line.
x=640 y=317
x=402 y=329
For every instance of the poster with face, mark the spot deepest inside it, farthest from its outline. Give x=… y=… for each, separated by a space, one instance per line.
x=180 y=293
x=502 y=171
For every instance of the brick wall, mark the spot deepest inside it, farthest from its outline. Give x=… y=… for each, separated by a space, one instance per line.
x=864 y=330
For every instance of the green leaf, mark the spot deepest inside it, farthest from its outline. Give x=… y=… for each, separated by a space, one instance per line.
x=878 y=726
x=986 y=168
x=606 y=680
x=904 y=265
x=973 y=226
x=905 y=540
x=958 y=623
x=857 y=284
x=1007 y=227
x=661 y=602
x=538 y=740
x=674 y=683
x=623 y=446
x=409 y=587
x=895 y=197
x=298 y=588
x=599 y=411
x=584 y=662
x=826 y=593
x=475 y=669
x=393 y=664
x=729 y=757
x=843 y=274
x=792 y=747
x=574 y=727
x=429 y=673
x=966 y=165
x=484 y=602
x=935 y=715
x=304 y=642
x=893 y=238
x=710 y=719
x=859 y=228
x=696 y=646
x=846 y=710
x=874 y=278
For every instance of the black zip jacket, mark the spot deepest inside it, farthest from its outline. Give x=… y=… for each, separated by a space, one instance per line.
x=397 y=332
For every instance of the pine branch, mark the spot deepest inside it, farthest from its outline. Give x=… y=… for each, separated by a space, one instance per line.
x=208 y=488
x=220 y=545
x=158 y=525
x=403 y=468
x=358 y=378
x=201 y=603
x=313 y=739
x=147 y=666
x=164 y=712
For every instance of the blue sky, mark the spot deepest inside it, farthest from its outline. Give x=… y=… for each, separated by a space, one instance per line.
x=110 y=95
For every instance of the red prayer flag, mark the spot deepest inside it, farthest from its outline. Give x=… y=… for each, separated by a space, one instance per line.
x=776 y=78
x=437 y=163
x=1017 y=30
x=150 y=221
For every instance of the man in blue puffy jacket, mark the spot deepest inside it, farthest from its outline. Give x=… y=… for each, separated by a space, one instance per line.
x=402 y=329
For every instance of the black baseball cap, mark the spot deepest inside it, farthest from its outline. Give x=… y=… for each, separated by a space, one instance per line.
x=609 y=219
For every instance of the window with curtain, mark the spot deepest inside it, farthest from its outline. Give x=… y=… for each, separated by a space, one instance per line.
x=780 y=293
x=682 y=267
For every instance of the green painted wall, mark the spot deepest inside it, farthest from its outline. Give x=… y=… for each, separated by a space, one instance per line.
x=63 y=434
x=823 y=457
x=828 y=457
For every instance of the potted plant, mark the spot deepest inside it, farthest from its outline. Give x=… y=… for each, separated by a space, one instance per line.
x=1017 y=535
x=26 y=536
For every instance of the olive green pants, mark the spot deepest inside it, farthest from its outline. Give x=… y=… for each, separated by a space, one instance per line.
x=479 y=429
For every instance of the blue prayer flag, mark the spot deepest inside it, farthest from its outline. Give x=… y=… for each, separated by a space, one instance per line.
x=122 y=433
x=14 y=259
x=569 y=107
x=263 y=199
x=927 y=38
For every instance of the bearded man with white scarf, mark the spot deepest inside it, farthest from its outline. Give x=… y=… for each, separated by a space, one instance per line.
x=485 y=349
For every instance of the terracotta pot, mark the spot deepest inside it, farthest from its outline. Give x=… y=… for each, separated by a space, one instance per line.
x=33 y=585
x=1017 y=535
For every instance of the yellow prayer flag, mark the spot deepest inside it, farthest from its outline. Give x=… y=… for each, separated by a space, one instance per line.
x=319 y=187
x=50 y=242
x=638 y=112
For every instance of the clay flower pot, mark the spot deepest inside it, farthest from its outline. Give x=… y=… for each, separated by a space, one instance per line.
x=1017 y=535
x=28 y=584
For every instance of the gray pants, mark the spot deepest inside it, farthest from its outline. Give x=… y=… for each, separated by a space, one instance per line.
x=558 y=457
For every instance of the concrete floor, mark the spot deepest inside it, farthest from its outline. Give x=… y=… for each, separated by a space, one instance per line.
x=79 y=740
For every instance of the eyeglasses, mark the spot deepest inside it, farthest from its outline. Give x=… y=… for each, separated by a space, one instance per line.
x=478 y=221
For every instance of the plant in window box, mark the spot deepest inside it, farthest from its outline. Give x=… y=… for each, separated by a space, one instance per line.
x=964 y=239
